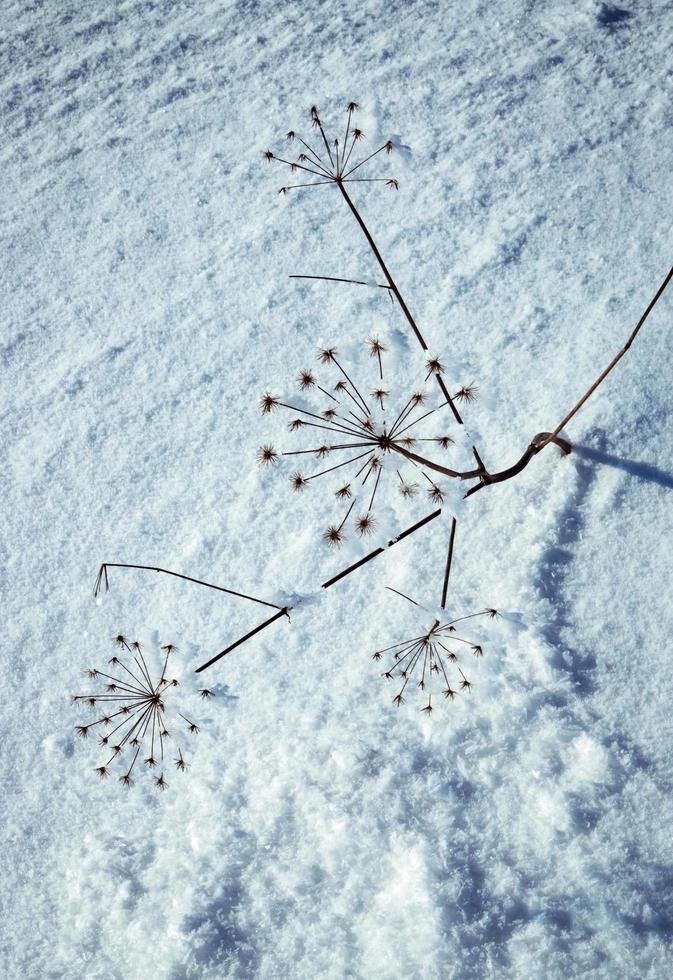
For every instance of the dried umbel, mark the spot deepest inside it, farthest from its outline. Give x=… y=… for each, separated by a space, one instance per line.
x=132 y=729
x=363 y=434
x=432 y=662
x=329 y=159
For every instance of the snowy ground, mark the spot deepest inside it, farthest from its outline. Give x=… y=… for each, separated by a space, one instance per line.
x=524 y=831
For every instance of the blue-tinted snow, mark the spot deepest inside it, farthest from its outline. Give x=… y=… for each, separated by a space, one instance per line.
x=526 y=831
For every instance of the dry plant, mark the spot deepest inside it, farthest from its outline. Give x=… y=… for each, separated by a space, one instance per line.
x=334 y=164
x=103 y=584
x=133 y=726
x=358 y=432
x=429 y=660
x=357 y=420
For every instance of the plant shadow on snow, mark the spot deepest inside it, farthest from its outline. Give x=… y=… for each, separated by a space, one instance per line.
x=217 y=938
x=654 y=884
x=611 y=17
x=556 y=560
x=645 y=471
x=550 y=580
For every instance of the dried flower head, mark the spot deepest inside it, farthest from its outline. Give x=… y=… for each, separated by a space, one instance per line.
x=435 y=494
x=331 y=159
x=333 y=536
x=298 y=481
x=434 y=366
x=468 y=393
x=266 y=455
x=365 y=525
x=306 y=380
x=425 y=661
x=365 y=435
x=135 y=707
x=327 y=355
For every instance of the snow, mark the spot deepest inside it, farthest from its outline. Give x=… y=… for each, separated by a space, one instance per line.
x=524 y=830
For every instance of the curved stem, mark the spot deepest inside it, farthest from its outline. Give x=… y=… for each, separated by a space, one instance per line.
x=613 y=362
x=481 y=473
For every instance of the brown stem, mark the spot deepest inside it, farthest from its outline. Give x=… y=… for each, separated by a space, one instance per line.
x=552 y=435
x=449 y=558
x=257 y=629
x=373 y=554
x=485 y=478
x=354 y=282
x=396 y=292
x=187 y=578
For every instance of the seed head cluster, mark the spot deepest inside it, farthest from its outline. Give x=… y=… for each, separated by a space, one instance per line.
x=364 y=434
x=132 y=729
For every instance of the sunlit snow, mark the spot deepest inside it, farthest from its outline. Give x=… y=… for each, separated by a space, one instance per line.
x=524 y=830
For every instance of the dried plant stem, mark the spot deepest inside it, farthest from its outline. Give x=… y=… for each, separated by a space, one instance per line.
x=354 y=282
x=408 y=598
x=539 y=441
x=282 y=611
x=102 y=575
x=449 y=558
x=485 y=478
x=379 y=551
x=232 y=646
x=396 y=292
x=611 y=365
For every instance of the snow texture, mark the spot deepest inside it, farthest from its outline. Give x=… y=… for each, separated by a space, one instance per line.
x=525 y=830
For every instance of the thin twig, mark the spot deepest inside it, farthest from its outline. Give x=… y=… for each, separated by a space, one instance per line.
x=283 y=612
x=355 y=282
x=187 y=578
x=613 y=362
x=449 y=558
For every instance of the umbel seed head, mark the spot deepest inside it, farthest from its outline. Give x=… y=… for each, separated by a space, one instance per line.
x=333 y=536
x=468 y=393
x=306 y=380
x=268 y=402
x=375 y=346
x=365 y=525
x=266 y=455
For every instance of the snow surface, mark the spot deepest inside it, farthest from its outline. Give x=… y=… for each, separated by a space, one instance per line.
x=524 y=831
